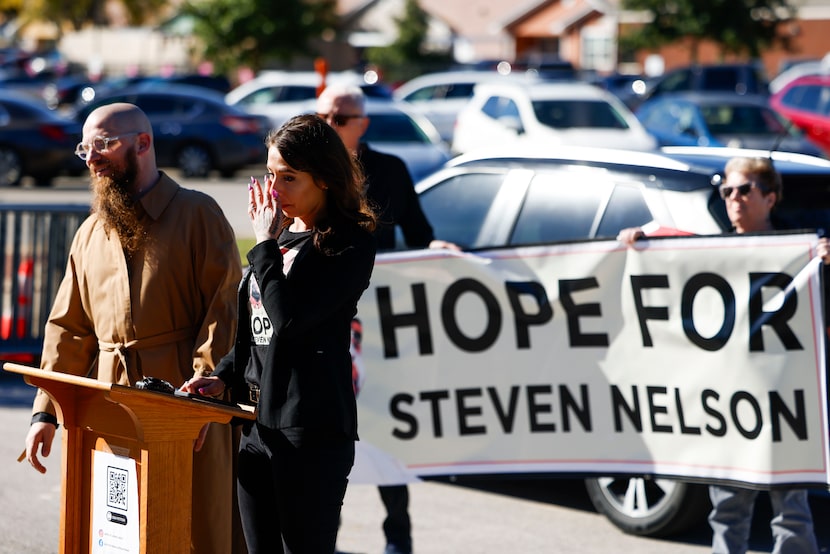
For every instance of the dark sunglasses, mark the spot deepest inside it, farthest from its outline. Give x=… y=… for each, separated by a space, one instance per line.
x=743 y=190
x=338 y=120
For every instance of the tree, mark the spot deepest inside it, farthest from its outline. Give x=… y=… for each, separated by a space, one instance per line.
x=249 y=33
x=739 y=26
x=79 y=13
x=407 y=55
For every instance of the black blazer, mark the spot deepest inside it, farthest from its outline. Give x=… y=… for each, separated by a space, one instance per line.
x=306 y=380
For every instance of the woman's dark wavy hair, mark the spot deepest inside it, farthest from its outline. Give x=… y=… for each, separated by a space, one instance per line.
x=309 y=144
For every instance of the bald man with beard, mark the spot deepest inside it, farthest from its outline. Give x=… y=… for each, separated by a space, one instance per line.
x=149 y=291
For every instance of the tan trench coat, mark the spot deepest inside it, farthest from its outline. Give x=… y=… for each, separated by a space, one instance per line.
x=170 y=314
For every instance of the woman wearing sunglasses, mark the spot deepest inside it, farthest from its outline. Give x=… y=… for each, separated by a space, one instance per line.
x=313 y=259
x=751 y=189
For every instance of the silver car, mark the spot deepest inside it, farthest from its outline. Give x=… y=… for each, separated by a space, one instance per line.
x=510 y=196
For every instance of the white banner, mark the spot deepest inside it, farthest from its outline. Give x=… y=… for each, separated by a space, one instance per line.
x=697 y=356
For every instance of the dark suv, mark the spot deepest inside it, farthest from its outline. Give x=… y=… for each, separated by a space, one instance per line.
x=738 y=78
x=521 y=197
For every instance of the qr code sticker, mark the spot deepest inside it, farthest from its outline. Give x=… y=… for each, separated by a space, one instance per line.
x=116 y=488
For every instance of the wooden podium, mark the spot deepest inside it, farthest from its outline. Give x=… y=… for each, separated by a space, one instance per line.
x=154 y=429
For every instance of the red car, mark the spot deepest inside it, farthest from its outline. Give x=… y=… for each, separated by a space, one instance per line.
x=806 y=102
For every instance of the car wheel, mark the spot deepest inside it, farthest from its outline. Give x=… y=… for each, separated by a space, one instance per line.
x=11 y=169
x=194 y=161
x=649 y=507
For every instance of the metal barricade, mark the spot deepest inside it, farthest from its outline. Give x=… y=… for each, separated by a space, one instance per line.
x=35 y=241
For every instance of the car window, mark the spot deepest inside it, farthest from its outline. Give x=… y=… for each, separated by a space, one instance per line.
x=806 y=201
x=803 y=97
x=556 y=211
x=824 y=105
x=296 y=93
x=740 y=119
x=658 y=117
x=391 y=127
x=499 y=106
x=162 y=106
x=680 y=80
x=722 y=78
x=626 y=208
x=459 y=90
x=567 y=114
x=421 y=95
x=457 y=207
x=262 y=96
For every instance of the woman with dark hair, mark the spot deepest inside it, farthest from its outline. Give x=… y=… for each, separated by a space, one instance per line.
x=312 y=261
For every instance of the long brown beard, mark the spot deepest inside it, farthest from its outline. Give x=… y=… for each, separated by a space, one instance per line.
x=114 y=203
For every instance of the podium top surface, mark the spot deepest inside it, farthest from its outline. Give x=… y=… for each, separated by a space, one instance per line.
x=40 y=378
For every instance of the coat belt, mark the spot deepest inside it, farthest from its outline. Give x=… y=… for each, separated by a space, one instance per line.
x=120 y=348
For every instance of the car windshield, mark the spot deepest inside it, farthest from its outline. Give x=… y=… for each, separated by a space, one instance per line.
x=567 y=114
x=390 y=127
x=747 y=120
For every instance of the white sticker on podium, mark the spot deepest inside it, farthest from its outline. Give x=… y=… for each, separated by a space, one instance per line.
x=114 y=504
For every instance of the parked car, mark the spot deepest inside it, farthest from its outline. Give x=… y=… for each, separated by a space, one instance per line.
x=737 y=78
x=393 y=129
x=35 y=142
x=523 y=195
x=721 y=119
x=549 y=113
x=194 y=129
x=279 y=95
x=806 y=102
x=440 y=96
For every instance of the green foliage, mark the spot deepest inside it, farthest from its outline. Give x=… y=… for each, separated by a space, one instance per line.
x=739 y=26
x=252 y=32
x=406 y=56
x=79 y=13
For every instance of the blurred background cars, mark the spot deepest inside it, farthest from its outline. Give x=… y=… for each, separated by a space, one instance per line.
x=737 y=78
x=194 y=129
x=547 y=113
x=721 y=119
x=393 y=129
x=35 y=142
x=806 y=102
x=279 y=95
x=73 y=92
x=440 y=96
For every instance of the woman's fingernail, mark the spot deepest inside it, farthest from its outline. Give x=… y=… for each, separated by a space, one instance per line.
x=275 y=194
x=201 y=391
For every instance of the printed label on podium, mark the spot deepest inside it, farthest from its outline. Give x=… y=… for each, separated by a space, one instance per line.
x=114 y=504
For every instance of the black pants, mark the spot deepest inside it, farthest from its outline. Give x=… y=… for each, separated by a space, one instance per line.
x=397 y=526
x=290 y=498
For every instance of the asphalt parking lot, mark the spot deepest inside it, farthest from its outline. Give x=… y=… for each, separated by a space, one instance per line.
x=470 y=515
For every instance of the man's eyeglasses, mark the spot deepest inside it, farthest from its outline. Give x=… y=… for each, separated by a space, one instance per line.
x=743 y=190
x=338 y=120
x=99 y=144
